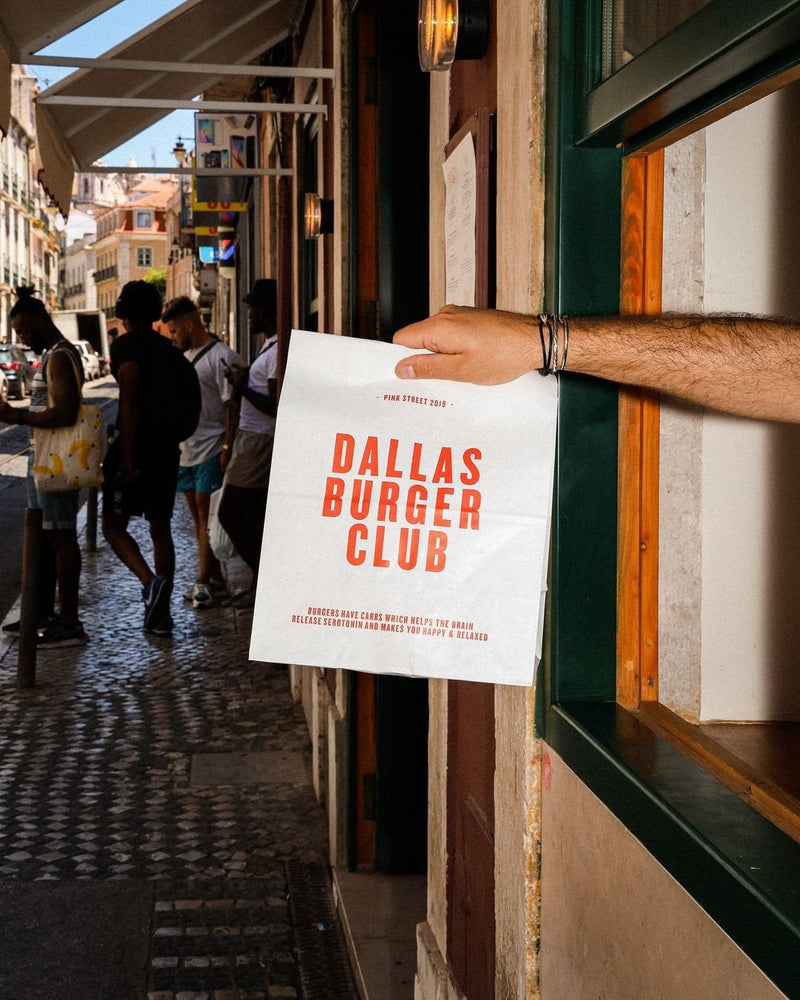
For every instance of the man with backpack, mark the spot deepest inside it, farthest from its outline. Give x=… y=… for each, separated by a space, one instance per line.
x=204 y=455
x=159 y=406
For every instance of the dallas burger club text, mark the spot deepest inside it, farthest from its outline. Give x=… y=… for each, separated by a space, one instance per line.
x=411 y=496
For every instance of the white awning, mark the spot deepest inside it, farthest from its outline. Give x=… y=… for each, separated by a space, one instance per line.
x=210 y=35
x=26 y=28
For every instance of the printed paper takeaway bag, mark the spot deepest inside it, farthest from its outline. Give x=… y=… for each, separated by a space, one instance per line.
x=407 y=524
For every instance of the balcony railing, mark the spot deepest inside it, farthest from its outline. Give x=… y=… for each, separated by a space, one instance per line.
x=105 y=273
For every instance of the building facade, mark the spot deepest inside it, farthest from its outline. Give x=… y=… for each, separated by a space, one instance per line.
x=613 y=830
x=628 y=825
x=92 y=194
x=28 y=238
x=131 y=242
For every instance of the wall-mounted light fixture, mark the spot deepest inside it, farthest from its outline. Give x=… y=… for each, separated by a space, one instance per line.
x=451 y=29
x=318 y=216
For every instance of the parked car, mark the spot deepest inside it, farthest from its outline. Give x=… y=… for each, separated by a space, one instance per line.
x=17 y=369
x=34 y=358
x=91 y=361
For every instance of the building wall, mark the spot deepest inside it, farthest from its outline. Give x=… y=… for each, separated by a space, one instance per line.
x=729 y=611
x=27 y=223
x=520 y=287
x=520 y=254
x=615 y=924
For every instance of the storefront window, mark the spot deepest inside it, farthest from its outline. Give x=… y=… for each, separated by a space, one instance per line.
x=631 y=26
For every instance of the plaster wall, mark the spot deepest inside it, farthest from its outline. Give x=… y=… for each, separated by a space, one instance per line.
x=625 y=930
x=520 y=287
x=680 y=564
x=730 y=504
x=520 y=254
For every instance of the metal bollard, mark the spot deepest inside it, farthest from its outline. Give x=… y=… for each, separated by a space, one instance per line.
x=32 y=541
x=91 y=520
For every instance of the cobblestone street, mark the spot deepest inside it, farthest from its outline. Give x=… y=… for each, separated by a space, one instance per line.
x=170 y=769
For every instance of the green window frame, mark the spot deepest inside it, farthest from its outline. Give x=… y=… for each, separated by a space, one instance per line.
x=742 y=869
x=726 y=50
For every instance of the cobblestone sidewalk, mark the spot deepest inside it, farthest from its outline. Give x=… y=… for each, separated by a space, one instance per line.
x=171 y=761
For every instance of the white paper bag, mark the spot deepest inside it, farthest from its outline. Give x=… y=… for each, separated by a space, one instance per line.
x=407 y=525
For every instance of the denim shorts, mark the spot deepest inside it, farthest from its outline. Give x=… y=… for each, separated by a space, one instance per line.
x=205 y=477
x=59 y=510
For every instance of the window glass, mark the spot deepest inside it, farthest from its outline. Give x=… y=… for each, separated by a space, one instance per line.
x=144 y=220
x=144 y=257
x=631 y=26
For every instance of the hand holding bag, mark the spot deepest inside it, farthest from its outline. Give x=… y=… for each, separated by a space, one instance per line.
x=69 y=458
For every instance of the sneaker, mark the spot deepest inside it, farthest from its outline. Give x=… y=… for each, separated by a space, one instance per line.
x=201 y=596
x=163 y=626
x=217 y=588
x=12 y=628
x=58 y=637
x=156 y=600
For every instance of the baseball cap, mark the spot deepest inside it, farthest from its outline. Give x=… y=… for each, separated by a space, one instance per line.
x=263 y=294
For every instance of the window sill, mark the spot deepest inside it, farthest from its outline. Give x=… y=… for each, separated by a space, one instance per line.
x=737 y=865
x=757 y=761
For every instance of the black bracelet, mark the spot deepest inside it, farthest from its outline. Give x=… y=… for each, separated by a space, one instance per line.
x=551 y=365
x=545 y=323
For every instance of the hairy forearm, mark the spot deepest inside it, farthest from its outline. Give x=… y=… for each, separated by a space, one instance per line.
x=744 y=365
x=748 y=366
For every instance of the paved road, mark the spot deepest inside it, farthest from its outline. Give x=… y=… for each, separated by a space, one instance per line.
x=159 y=834
x=13 y=467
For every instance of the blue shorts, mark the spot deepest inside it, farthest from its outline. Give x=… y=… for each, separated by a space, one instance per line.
x=59 y=510
x=205 y=477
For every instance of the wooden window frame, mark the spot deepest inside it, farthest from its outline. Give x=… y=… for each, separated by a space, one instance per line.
x=639 y=423
x=638 y=526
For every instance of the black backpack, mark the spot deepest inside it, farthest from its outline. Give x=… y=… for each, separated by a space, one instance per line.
x=170 y=400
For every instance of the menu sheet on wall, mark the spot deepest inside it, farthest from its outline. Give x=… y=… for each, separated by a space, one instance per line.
x=407 y=525
x=461 y=199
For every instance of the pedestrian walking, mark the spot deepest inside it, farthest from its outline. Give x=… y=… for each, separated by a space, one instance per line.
x=141 y=468
x=204 y=455
x=55 y=402
x=244 y=499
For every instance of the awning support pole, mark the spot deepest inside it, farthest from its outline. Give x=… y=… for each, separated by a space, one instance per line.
x=241 y=107
x=221 y=69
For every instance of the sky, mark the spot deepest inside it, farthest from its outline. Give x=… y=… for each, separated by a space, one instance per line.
x=152 y=147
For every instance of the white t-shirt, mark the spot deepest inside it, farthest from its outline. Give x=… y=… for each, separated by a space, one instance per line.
x=263 y=370
x=215 y=391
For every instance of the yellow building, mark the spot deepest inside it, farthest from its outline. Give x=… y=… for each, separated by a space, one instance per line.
x=131 y=242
